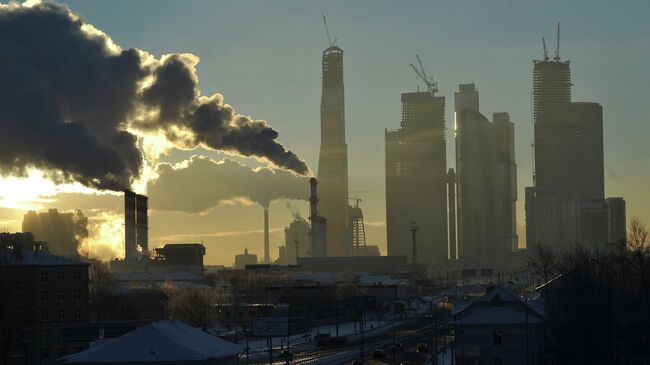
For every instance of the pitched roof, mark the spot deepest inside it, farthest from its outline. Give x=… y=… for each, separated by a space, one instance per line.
x=161 y=341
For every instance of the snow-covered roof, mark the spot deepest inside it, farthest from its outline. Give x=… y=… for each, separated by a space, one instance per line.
x=36 y=258
x=163 y=341
x=498 y=315
x=158 y=276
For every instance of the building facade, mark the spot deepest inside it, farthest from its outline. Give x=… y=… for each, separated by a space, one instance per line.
x=416 y=174
x=333 y=159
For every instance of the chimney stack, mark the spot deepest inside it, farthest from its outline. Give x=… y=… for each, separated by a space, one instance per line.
x=142 y=223
x=267 y=255
x=313 y=199
x=129 y=225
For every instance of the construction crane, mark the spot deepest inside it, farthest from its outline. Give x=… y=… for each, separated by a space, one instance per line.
x=545 y=50
x=432 y=86
x=358 y=227
x=327 y=31
x=557 y=45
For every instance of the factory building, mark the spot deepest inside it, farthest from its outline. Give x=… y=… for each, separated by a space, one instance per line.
x=296 y=240
x=136 y=226
x=416 y=179
x=333 y=159
x=243 y=259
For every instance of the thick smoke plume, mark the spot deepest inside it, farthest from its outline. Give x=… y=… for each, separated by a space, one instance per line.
x=62 y=231
x=199 y=184
x=72 y=103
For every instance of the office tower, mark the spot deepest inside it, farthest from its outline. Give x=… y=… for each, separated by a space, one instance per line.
x=333 y=160
x=591 y=190
x=552 y=211
x=451 y=214
x=504 y=134
x=416 y=175
x=480 y=189
x=616 y=220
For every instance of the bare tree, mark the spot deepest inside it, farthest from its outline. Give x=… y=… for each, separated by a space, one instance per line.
x=192 y=306
x=101 y=288
x=637 y=239
x=543 y=261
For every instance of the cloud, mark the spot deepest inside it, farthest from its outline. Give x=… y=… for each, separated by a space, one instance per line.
x=200 y=183
x=73 y=103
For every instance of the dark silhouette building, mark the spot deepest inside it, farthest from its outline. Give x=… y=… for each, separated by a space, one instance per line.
x=333 y=159
x=416 y=179
x=486 y=181
x=44 y=296
x=616 y=220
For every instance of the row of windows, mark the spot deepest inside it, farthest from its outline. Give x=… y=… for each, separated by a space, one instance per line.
x=60 y=276
x=45 y=295
x=45 y=315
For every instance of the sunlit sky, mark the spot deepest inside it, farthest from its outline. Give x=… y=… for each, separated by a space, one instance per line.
x=264 y=56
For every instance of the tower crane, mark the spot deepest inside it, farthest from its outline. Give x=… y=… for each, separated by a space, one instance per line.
x=327 y=31
x=432 y=86
x=545 y=50
x=557 y=45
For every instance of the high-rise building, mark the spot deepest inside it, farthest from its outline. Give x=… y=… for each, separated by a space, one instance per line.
x=616 y=220
x=333 y=160
x=480 y=189
x=552 y=209
x=504 y=135
x=416 y=175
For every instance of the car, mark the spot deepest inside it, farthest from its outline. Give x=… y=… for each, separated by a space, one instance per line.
x=378 y=354
x=422 y=347
x=405 y=363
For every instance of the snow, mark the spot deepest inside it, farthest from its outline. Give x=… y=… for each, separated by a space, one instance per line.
x=158 y=342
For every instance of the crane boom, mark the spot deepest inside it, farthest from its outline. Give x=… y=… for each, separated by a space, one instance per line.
x=431 y=85
x=327 y=31
x=557 y=45
x=545 y=50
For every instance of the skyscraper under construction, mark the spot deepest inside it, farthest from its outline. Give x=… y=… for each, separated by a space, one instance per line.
x=416 y=174
x=333 y=160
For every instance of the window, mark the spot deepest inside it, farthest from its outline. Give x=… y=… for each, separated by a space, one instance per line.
x=496 y=338
x=44 y=335
x=19 y=287
x=19 y=307
x=59 y=335
x=498 y=361
x=44 y=277
x=44 y=296
x=61 y=276
x=61 y=296
x=45 y=316
x=45 y=354
x=62 y=351
x=77 y=295
x=77 y=276
x=61 y=315
x=77 y=314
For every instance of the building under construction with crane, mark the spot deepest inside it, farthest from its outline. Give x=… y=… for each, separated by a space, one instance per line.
x=333 y=159
x=416 y=176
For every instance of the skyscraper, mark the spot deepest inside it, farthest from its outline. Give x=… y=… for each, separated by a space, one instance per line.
x=333 y=160
x=416 y=175
x=504 y=135
x=552 y=211
x=480 y=185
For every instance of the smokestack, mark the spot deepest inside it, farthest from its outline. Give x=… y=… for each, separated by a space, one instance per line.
x=129 y=224
x=142 y=223
x=313 y=199
x=267 y=255
x=451 y=188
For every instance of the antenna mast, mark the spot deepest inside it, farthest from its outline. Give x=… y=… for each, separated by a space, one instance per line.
x=557 y=45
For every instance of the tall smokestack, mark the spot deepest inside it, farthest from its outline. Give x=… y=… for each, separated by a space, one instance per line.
x=451 y=189
x=313 y=199
x=129 y=224
x=142 y=223
x=267 y=255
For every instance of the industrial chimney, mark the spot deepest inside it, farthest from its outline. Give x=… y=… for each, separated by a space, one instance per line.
x=451 y=204
x=267 y=255
x=142 y=222
x=129 y=225
x=318 y=231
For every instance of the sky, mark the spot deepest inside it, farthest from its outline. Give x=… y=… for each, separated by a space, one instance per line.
x=264 y=57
